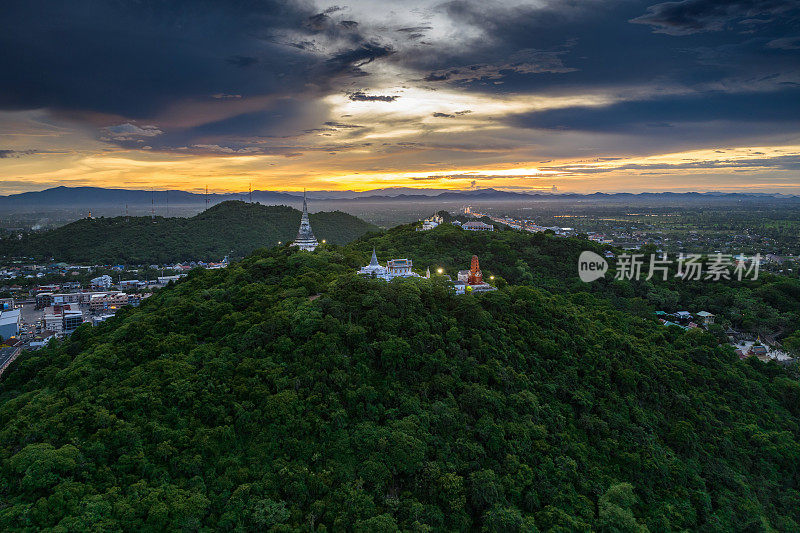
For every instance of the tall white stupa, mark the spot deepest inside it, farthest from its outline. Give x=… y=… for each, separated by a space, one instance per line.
x=305 y=239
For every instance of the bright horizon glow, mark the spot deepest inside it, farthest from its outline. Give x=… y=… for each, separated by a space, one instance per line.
x=692 y=170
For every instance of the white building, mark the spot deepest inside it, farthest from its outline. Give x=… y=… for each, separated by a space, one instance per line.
x=373 y=268
x=110 y=301
x=430 y=223
x=9 y=323
x=427 y=225
x=395 y=268
x=102 y=282
x=400 y=268
x=98 y=319
x=477 y=225
x=54 y=322
x=163 y=280
x=68 y=298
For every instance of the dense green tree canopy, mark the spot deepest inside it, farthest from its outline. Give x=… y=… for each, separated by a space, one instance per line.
x=287 y=393
x=233 y=227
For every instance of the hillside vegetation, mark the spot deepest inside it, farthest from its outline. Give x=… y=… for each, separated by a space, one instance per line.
x=229 y=228
x=286 y=393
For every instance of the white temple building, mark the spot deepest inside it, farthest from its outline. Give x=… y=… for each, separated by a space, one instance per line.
x=430 y=223
x=373 y=268
x=395 y=268
x=305 y=239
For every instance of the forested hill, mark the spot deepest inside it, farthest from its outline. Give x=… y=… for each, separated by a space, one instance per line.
x=230 y=228
x=285 y=393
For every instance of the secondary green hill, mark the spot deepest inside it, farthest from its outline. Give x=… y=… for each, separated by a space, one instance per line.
x=285 y=393
x=229 y=228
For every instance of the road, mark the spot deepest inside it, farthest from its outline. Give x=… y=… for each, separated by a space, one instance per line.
x=7 y=355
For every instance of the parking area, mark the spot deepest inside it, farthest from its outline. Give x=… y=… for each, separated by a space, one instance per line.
x=31 y=317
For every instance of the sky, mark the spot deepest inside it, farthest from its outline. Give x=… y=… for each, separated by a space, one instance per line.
x=573 y=96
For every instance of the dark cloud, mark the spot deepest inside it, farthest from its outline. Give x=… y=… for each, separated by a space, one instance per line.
x=361 y=96
x=4 y=154
x=355 y=58
x=133 y=58
x=785 y=43
x=436 y=77
x=242 y=61
x=129 y=132
x=630 y=116
x=244 y=71
x=788 y=162
x=318 y=22
x=567 y=46
x=662 y=113
x=342 y=125
x=439 y=114
x=694 y=16
x=473 y=177
x=520 y=62
x=414 y=29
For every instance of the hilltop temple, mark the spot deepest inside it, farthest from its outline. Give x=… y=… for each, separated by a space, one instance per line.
x=472 y=280
x=305 y=239
x=395 y=268
x=373 y=268
x=468 y=280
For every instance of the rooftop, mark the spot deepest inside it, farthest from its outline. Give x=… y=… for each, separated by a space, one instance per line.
x=9 y=317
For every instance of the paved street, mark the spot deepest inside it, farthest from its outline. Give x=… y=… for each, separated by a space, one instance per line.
x=6 y=354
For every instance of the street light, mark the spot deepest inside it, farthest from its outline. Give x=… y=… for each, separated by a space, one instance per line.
x=440 y=270
x=323 y=241
x=491 y=277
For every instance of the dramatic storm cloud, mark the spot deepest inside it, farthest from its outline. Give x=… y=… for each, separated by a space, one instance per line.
x=366 y=94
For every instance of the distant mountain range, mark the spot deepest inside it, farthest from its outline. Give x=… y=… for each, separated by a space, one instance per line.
x=61 y=197
x=99 y=196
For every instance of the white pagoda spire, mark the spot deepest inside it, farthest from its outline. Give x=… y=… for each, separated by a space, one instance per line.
x=305 y=237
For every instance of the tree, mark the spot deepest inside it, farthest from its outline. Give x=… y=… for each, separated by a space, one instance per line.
x=615 y=510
